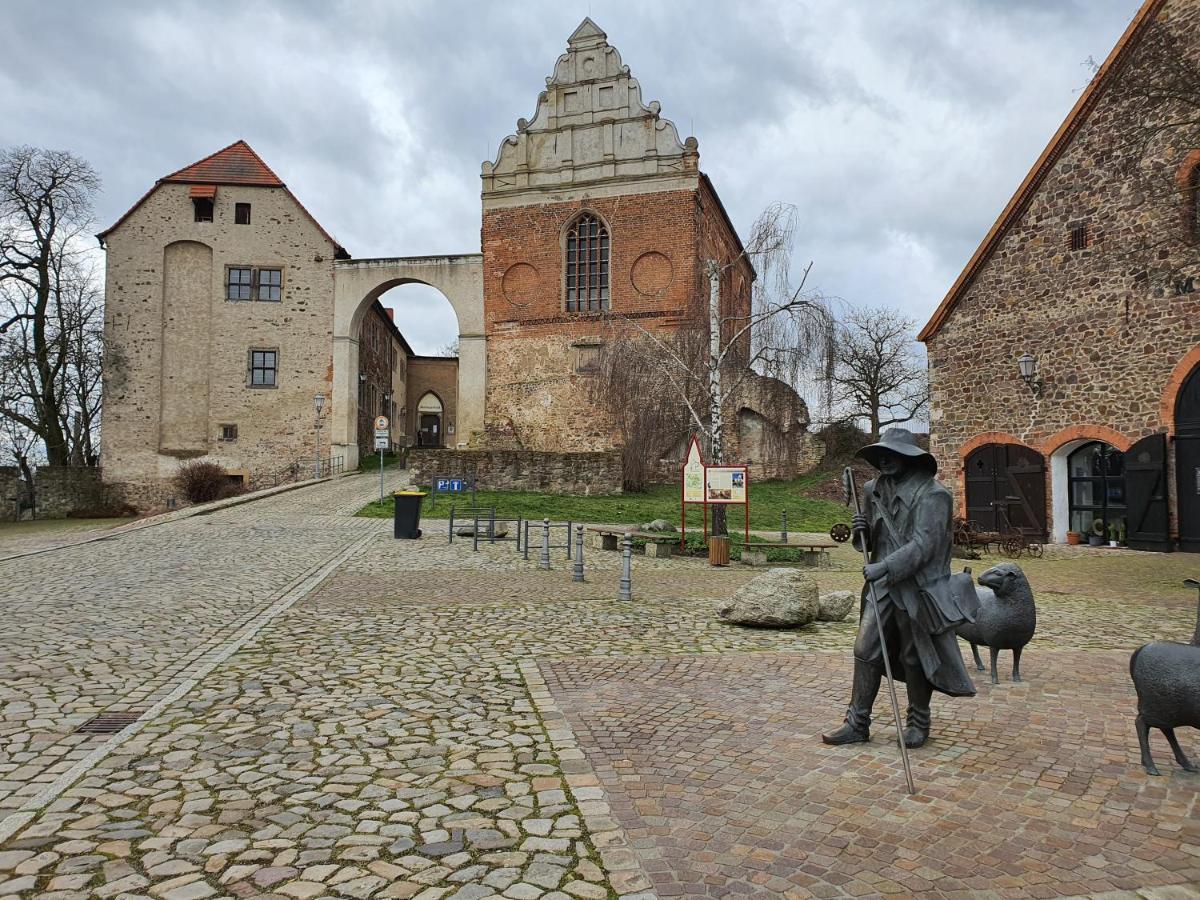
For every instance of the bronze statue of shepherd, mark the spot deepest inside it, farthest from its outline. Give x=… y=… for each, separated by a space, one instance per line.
x=905 y=523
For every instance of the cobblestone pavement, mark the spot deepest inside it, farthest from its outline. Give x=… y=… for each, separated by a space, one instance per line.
x=330 y=712
x=714 y=766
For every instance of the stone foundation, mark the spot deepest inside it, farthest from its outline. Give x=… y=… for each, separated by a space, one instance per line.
x=513 y=470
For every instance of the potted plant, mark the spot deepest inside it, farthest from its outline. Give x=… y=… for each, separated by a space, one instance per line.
x=1074 y=537
x=1116 y=534
x=1096 y=538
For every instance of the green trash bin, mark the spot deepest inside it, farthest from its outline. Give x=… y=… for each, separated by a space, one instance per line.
x=407 y=514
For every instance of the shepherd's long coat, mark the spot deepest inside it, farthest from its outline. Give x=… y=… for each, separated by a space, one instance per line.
x=910 y=522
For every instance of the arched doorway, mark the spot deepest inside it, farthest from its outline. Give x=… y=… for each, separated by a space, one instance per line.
x=1187 y=461
x=430 y=432
x=1096 y=494
x=357 y=284
x=1006 y=485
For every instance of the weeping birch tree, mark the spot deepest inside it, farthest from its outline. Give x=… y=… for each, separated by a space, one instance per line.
x=686 y=378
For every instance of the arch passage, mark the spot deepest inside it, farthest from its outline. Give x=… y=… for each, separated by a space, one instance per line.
x=1006 y=484
x=1187 y=461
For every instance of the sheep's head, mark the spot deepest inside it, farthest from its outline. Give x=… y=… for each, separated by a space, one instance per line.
x=1005 y=579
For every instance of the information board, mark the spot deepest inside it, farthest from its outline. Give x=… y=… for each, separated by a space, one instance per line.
x=725 y=484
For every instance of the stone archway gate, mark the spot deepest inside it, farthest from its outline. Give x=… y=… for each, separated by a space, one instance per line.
x=357 y=284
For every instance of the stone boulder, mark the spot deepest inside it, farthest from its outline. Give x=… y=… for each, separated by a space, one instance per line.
x=779 y=598
x=498 y=531
x=659 y=525
x=836 y=605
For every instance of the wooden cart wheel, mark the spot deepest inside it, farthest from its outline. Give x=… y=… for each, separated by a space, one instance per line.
x=840 y=532
x=1012 y=545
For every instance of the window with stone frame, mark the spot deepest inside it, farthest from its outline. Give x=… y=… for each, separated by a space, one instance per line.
x=586 y=265
x=264 y=368
x=1193 y=201
x=244 y=282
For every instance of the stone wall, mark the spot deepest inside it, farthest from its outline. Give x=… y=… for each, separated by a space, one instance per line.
x=1111 y=333
x=380 y=353
x=438 y=374
x=565 y=473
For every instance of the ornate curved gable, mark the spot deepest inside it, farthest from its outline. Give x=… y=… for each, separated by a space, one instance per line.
x=590 y=128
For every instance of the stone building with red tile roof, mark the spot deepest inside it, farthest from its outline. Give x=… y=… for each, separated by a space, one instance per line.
x=1065 y=359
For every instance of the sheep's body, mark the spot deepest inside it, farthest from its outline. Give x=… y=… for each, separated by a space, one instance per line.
x=1166 y=676
x=1007 y=617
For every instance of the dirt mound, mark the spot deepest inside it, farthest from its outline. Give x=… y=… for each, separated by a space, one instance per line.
x=829 y=487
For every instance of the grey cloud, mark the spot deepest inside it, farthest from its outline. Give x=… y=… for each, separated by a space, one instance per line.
x=898 y=129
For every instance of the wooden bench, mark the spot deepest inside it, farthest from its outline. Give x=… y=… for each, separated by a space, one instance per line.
x=812 y=553
x=659 y=545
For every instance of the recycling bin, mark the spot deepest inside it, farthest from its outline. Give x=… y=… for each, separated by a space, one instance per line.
x=407 y=514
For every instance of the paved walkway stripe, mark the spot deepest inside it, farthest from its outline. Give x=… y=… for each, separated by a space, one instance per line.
x=17 y=820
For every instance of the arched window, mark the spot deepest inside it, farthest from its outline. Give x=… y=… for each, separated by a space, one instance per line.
x=1096 y=480
x=587 y=265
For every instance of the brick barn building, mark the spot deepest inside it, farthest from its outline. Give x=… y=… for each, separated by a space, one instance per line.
x=1089 y=275
x=230 y=309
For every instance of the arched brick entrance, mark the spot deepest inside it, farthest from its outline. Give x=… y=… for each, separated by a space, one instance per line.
x=357 y=284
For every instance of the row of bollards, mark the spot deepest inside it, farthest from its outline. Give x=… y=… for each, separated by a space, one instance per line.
x=624 y=585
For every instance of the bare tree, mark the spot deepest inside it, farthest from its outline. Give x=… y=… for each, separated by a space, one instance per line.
x=449 y=349
x=50 y=329
x=878 y=375
x=688 y=375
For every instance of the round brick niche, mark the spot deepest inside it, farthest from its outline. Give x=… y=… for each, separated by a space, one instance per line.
x=652 y=274
x=520 y=284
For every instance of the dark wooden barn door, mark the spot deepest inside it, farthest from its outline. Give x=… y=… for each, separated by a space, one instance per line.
x=1007 y=481
x=1187 y=462
x=1147 y=521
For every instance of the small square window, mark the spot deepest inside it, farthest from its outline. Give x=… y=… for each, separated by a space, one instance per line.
x=241 y=214
x=229 y=432
x=269 y=282
x=237 y=283
x=263 y=367
x=202 y=207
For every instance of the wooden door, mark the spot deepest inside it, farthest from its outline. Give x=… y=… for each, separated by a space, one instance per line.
x=1187 y=462
x=1147 y=517
x=1007 y=483
x=430 y=430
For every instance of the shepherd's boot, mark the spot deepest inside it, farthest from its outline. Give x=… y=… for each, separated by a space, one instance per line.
x=857 y=727
x=920 y=692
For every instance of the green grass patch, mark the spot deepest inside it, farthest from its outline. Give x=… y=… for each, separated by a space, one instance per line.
x=768 y=500
x=371 y=463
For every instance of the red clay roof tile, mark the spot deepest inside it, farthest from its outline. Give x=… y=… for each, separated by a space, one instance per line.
x=236 y=164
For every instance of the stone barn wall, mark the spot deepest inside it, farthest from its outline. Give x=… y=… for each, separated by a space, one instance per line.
x=513 y=470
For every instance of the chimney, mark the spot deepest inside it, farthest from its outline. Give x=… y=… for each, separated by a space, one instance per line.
x=391 y=313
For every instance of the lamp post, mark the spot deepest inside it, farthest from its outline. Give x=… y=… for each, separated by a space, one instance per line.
x=318 y=405
x=1027 y=365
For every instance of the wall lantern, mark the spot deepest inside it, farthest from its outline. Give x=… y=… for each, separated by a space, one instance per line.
x=1028 y=366
x=319 y=403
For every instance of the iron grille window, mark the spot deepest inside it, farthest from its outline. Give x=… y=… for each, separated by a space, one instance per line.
x=587 y=265
x=1194 y=197
x=229 y=432
x=263 y=367
x=241 y=214
x=238 y=283
x=1079 y=237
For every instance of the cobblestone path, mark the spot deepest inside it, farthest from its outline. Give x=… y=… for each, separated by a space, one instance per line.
x=327 y=712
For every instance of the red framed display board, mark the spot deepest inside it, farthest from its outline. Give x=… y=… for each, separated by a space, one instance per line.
x=705 y=485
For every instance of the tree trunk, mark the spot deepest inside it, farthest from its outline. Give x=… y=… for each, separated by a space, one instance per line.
x=716 y=421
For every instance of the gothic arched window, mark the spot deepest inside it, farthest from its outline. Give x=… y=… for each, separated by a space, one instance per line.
x=587 y=265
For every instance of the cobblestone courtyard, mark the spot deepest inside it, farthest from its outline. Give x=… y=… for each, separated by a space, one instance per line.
x=324 y=711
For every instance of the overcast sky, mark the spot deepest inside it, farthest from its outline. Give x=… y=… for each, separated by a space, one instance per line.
x=899 y=129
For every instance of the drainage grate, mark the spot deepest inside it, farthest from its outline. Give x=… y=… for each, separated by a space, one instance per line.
x=108 y=723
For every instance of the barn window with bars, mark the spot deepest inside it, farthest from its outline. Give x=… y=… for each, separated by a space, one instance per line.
x=587 y=265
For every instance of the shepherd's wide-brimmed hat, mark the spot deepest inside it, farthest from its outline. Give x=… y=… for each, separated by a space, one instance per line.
x=900 y=441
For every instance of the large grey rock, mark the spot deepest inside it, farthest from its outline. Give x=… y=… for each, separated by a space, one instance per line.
x=498 y=531
x=659 y=525
x=779 y=598
x=836 y=605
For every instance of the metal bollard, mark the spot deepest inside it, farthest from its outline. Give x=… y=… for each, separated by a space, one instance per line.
x=783 y=537
x=544 y=561
x=625 y=587
x=577 y=569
